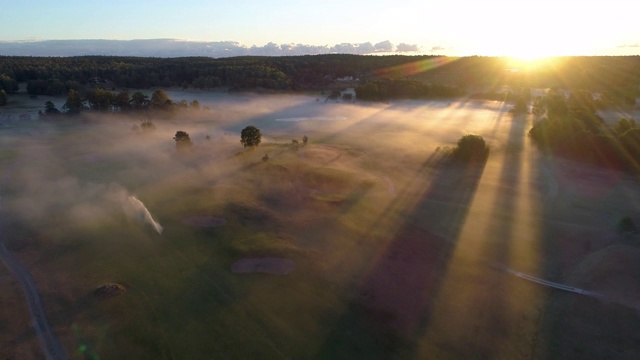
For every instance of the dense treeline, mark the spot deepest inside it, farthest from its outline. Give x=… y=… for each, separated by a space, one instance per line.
x=570 y=127
x=101 y=100
x=58 y=75
x=618 y=75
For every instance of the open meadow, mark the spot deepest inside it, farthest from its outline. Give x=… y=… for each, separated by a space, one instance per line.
x=360 y=244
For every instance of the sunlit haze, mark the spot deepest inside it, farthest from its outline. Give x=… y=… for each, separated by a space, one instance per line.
x=455 y=28
x=433 y=179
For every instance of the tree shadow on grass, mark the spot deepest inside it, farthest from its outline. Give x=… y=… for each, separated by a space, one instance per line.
x=391 y=302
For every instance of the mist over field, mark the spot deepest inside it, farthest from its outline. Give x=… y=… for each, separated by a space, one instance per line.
x=380 y=249
x=86 y=169
x=340 y=180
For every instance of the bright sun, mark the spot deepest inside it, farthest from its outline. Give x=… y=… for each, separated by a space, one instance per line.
x=527 y=51
x=530 y=51
x=528 y=38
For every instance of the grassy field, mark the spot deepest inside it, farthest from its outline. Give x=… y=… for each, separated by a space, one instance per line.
x=396 y=255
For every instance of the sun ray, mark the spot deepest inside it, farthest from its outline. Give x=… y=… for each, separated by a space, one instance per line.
x=503 y=230
x=416 y=67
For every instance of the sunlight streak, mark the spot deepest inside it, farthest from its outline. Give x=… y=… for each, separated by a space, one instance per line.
x=478 y=305
x=416 y=67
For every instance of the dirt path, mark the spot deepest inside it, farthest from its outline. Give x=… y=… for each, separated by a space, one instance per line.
x=50 y=345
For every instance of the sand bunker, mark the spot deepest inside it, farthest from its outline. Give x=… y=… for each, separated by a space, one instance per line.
x=274 y=266
x=204 y=221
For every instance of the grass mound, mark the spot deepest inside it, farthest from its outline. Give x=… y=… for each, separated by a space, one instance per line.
x=326 y=179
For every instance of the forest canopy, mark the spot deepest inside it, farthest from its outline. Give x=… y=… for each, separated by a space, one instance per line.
x=618 y=76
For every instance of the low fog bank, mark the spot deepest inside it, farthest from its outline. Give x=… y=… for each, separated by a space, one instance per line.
x=382 y=235
x=84 y=170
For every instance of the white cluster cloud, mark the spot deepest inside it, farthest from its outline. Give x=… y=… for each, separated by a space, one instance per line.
x=177 y=48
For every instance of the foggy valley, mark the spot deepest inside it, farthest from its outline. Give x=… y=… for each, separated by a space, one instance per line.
x=362 y=243
x=342 y=180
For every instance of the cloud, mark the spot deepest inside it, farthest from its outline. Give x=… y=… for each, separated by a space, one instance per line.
x=366 y=48
x=437 y=48
x=402 y=47
x=385 y=46
x=178 y=48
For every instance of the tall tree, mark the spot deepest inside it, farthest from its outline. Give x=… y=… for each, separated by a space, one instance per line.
x=9 y=85
x=139 y=101
x=74 y=103
x=160 y=100
x=183 y=141
x=121 y=101
x=50 y=108
x=100 y=99
x=250 y=136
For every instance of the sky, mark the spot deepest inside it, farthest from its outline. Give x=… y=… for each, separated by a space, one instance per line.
x=526 y=29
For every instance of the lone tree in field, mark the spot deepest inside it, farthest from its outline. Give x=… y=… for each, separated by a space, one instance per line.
x=471 y=148
x=183 y=142
x=250 y=136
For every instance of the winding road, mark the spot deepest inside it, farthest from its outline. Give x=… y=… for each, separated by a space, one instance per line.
x=50 y=344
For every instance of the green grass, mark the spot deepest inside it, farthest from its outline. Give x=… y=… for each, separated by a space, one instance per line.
x=329 y=211
x=182 y=301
